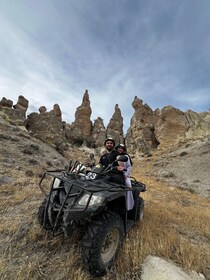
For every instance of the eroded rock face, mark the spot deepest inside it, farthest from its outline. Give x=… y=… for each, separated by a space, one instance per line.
x=48 y=127
x=80 y=130
x=22 y=104
x=6 y=102
x=115 y=126
x=98 y=133
x=171 y=126
x=42 y=110
x=14 y=115
x=163 y=128
x=148 y=130
x=199 y=124
x=57 y=111
x=140 y=136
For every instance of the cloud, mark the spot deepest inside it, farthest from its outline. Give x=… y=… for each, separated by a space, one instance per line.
x=159 y=51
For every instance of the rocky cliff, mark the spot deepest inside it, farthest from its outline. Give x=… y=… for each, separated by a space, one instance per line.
x=150 y=130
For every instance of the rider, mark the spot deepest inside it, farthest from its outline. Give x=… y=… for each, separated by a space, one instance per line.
x=121 y=149
x=116 y=174
x=111 y=153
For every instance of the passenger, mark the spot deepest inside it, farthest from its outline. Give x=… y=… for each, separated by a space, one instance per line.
x=121 y=150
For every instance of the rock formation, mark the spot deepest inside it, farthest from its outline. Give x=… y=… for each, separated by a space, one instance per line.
x=80 y=130
x=148 y=129
x=115 y=126
x=98 y=133
x=57 y=111
x=42 y=110
x=48 y=127
x=170 y=126
x=6 y=103
x=15 y=115
x=140 y=136
x=199 y=124
x=163 y=128
x=22 y=105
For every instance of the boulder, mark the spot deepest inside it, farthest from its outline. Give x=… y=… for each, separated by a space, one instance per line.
x=155 y=268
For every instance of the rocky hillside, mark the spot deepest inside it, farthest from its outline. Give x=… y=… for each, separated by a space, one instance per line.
x=149 y=130
x=28 y=253
x=176 y=173
x=185 y=165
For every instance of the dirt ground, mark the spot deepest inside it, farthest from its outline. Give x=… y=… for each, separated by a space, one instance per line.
x=22 y=162
x=186 y=165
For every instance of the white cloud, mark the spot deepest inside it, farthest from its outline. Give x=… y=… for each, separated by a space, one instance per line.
x=51 y=52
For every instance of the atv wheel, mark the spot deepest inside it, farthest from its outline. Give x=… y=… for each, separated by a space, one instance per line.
x=140 y=209
x=41 y=213
x=101 y=243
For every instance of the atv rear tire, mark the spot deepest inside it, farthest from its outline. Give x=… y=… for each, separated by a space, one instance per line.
x=140 y=209
x=101 y=243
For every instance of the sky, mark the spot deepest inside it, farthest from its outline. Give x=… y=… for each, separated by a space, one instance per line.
x=51 y=51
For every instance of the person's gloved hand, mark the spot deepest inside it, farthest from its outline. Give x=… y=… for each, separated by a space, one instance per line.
x=87 y=163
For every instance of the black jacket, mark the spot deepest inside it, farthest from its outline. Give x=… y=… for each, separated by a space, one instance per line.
x=108 y=158
x=114 y=175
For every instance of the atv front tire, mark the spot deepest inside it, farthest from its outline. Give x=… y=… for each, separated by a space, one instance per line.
x=41 y=214
x=101 y=243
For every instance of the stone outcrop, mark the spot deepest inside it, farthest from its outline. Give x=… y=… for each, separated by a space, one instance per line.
x=48 y=127
x=15 y=115
x=164 y=127
x=79 y=132
x=22 y=105
x=6 y=103
x=57 y=111
x=140 y=136
x=98 y=133
x=199 y=124
x=42 y=110
x=115 y=126
x=170 y=126
x=148 y=129
x=83 y=132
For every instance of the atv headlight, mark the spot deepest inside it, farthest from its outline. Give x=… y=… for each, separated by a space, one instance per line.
x=95 y=200
x=56 y=183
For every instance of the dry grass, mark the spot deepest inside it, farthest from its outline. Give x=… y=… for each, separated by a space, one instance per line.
x=175 y=227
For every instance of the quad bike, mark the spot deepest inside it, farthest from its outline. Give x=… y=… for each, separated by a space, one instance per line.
x=85 y=201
